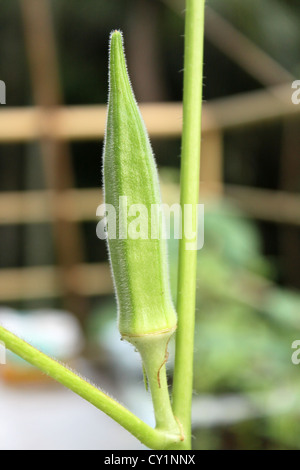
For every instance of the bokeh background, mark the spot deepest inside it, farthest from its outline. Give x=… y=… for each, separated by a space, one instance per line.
x=55 y=284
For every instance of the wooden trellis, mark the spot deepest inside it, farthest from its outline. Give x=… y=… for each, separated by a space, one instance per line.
x=56 y=123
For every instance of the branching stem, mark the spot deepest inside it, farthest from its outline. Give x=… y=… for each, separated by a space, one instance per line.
x=153 y=438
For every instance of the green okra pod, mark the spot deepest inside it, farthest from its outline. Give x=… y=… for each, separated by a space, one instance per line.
x=138 y=257
x=139 y=265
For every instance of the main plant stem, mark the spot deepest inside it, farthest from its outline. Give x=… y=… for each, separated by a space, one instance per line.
x=190 y=174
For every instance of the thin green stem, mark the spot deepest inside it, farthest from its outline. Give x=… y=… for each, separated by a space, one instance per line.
x=157 y=379
x=153 y=350
x=190 y=173
x=153 y=438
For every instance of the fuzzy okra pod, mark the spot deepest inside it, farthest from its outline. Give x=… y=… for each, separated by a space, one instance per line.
x=131 y=186
x=146 y=314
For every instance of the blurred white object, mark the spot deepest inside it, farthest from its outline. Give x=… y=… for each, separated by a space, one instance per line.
x=53 y=418
x=56 y=419
x=54 y=332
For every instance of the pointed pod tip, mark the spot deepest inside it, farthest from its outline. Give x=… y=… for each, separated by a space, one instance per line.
x=116 y=33
x=116 y=40
x=117 y=63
